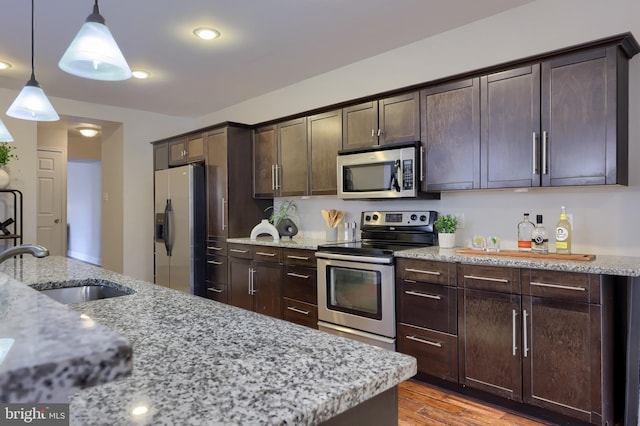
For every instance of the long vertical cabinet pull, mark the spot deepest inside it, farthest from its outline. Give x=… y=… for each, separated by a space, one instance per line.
x=251 y=284
x=273 y=178
x=544 y=153
x=534 y=156
x=277 y=177
x=514 y=347
x=222 y=204
x=524 y=324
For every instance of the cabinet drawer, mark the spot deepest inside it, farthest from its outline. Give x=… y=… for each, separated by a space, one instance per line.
x=301 y=313
x=267 y=254
x=300 y=283
x=572 y=286
x=216 y=247
x=428 y=305
x=436 y=352
x=242 y=251
x=300 y=257
x=492 y=278
x=217 y=292
x=427 y=271
x=217 y=269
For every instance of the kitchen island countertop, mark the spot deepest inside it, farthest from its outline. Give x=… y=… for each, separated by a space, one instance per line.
x=196 y=361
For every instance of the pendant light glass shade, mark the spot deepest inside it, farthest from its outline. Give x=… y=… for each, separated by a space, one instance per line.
x=5 y=136
x=31 y=103
x=94 y=54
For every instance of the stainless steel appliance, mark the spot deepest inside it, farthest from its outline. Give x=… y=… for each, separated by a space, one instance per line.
x=383 y=172
x=356 y=280
x=180 y=228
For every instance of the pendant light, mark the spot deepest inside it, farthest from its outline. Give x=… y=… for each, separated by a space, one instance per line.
x=5 y=136
x=31 y=103
x=93 y=53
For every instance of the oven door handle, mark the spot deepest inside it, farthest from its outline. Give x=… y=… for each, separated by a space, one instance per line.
x=356 y=332
x=353 y=258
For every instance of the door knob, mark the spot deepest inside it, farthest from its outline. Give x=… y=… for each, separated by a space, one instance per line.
x=57 y=221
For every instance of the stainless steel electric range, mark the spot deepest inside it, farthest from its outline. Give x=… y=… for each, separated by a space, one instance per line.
x=356 y=279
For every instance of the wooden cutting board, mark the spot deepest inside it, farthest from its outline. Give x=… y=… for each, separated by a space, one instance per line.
x=514 y=253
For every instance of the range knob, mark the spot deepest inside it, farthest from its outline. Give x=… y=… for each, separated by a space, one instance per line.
x=423 y=218
x=375 y=217
x=414 y=216
x=367 y=218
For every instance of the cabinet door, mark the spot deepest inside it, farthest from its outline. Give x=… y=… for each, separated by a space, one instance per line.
x=160 y=156
x=268 y=288
x=325 y=140
x=292 y=158
x=561 y=355
x=399 y=118
x=489 y=336
x=360 y=125
x=451 y=135
x=177 y=152
x=264 y=161
x=579 y=119
x=217 y=196
x=195 y=148
x=239 y=289
x=510 y=128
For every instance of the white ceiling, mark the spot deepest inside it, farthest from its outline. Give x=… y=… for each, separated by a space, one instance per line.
x=265 y=44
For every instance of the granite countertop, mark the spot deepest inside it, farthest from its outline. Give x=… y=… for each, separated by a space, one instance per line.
x=48 y=351
x=196 y=361
x=286 y=242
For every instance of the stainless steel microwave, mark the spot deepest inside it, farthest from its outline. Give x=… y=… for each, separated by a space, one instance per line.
x=392 y=172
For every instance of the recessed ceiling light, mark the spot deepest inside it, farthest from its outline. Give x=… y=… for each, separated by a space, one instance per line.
x=140 y=74
x=88 y=132
x=4 y=65
x=206 y=33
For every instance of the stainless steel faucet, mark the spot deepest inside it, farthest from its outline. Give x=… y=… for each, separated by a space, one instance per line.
x=33 y=249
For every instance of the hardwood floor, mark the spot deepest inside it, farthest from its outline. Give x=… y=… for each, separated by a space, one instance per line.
x=419 y=404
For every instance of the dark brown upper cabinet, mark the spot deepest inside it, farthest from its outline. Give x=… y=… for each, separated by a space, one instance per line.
x=451 y=135
x=160 y=156
x=390 y=120
x=324 y=141
x=186 y=150
x=280 y=159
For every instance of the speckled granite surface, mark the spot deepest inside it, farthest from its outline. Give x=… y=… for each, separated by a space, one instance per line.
x=300 y=243
x=608 y=265
x=200 y=362
x=49 y=351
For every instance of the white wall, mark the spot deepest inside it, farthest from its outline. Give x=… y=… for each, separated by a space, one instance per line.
x=84 y=209
x=604 y=216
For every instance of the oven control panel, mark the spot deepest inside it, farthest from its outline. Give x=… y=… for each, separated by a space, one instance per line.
x=397 y=218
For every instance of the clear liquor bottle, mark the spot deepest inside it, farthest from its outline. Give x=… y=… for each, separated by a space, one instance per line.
x=525 y=230
x=539 y=238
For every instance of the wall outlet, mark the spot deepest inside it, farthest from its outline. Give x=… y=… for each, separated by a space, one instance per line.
x=460 y=217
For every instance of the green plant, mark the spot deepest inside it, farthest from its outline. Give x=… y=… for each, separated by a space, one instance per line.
x=285 y=210
x=446 y=224
x=6 y=153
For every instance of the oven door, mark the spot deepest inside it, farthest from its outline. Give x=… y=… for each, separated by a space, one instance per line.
x=356 y=293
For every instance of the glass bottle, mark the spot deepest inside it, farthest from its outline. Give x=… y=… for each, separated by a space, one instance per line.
x=539 y=238
x=525 y=229
x=563 y=233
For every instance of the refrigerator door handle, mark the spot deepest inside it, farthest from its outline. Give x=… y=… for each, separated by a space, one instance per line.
x=168 y=232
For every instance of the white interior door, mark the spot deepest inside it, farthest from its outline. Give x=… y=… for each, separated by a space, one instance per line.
x=51 y=221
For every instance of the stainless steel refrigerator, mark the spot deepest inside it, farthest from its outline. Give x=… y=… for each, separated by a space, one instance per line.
x=180 y=228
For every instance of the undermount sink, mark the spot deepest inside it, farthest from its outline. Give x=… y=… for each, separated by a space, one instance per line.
x=70 y=292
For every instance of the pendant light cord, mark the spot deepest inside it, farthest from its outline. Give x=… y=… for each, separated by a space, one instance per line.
x=33 y=76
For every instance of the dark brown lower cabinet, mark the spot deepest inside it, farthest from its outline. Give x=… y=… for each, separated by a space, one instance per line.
x=300 y=303
x=436 y=352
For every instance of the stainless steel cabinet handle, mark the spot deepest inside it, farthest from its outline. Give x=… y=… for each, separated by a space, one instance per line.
x=214 y=248
x=410 y=281
x=262 y=253
x=251 y=289
x=222 y=203
x=524 y=324
x=290 y=256
x=544 y=153
x=428 y=342
x=514 y=347
x=428 y=296
x=300 y=311
x=214 y=262
x=277 y=177
x=497 y=280
x=563 y=287
x=420 y=271
x=215 y=290
x=534 y=156
x=373 y=133
x=379 y=132
x=239 y=251
x=293 y=274
x=273 y=178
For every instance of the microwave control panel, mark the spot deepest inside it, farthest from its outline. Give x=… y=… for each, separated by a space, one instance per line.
x=407 y=175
